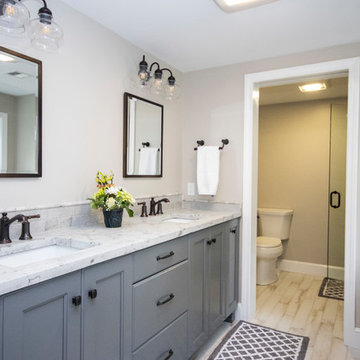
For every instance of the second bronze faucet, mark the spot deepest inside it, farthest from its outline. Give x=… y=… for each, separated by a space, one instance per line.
x=153 y=210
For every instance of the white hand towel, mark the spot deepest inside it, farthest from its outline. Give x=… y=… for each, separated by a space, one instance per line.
x=208 y=164
x=148 y=161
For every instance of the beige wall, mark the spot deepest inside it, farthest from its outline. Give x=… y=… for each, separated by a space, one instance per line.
x=8 y=105
x=214 y=109
x=83 y=87
x=294 y=173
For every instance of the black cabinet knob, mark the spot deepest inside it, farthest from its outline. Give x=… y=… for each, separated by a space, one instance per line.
x=233 y=231
x=76 y=300
x=209 y=242
x=92 y=293
x=213 y=240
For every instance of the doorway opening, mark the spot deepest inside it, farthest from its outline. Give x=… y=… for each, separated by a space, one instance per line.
x=253 y=82
x=301 y=217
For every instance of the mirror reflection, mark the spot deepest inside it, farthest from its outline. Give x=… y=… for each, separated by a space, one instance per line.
x=20 y=115
x=143 y=127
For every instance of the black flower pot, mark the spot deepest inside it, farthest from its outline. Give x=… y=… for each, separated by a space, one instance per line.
x=113 y=218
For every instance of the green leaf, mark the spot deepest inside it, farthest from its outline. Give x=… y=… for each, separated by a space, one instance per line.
x=130 y=212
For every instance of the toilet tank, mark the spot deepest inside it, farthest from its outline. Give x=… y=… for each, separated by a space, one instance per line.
x=275 y=222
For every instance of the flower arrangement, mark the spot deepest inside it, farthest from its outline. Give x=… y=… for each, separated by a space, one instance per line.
x=110 y=197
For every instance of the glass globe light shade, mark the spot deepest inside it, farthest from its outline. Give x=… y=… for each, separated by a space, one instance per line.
x=172 y=89
x=157 y=82
x=13 y=17
x=45 y=34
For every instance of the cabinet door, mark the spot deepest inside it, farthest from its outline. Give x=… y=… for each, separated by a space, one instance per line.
x=215 y=278
x=41 y=322
x=107 y=310
x=198 y=320
x=231 y=266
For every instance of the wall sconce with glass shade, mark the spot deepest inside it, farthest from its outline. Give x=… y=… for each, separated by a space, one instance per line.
x=44 y=33
x=237 y=5
x=156 y=81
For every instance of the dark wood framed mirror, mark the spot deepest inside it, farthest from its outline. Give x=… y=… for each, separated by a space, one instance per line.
x=20 y=115
x=143 y=137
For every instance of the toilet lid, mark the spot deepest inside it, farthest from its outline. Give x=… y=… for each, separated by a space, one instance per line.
x=266 y=241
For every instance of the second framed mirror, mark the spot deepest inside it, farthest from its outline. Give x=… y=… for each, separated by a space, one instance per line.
x=143 y=137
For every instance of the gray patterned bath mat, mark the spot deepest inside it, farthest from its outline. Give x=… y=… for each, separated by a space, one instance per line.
x=249 y=341
x=332 y=288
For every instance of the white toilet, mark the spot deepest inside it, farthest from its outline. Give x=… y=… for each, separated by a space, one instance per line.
x=273 y=227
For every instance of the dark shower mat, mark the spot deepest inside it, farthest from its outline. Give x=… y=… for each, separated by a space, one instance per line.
x=332 y=289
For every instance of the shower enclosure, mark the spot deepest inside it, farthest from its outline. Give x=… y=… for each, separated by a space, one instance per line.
x=337 y=180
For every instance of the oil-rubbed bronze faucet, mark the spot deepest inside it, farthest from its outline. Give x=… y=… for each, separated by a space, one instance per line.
x=153 y=204
x=5 y=223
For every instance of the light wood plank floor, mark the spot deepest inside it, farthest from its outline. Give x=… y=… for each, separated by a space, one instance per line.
x=292 y=304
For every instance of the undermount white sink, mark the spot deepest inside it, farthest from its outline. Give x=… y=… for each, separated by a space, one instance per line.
x=56 y=249
x=182 y=218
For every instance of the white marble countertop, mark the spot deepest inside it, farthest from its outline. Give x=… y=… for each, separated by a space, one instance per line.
x=99 y=244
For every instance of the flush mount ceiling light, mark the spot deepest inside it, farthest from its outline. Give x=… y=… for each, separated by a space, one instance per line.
x=156 y=80
x=312 y=87
x=44 y=33
x=237 y=5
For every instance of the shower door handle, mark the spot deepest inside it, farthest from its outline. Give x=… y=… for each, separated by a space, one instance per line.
x=332 y=194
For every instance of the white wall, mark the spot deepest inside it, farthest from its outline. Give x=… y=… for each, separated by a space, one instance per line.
x=213 y=109
x=83 y=89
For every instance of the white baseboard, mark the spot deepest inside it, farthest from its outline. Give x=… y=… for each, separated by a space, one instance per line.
x=310 y=268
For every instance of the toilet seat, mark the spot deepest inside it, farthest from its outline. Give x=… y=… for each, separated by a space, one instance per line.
x=268 y=242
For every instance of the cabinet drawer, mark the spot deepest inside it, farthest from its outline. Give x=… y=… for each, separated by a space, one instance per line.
x=157 y=258
x=170 y=343
x=158 y=301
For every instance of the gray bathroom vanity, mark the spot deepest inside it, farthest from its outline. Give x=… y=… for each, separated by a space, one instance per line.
x=160 y=298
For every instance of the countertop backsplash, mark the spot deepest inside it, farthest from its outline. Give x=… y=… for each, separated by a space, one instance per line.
x=76 y=215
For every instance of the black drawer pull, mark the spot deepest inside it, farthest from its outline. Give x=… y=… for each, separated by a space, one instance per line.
x=209 y=242
x=76 y=300
x=171 y=353
x=92 y=293
x=170 y=254
x=213 y=240
x=233 y=231
x=168 y=298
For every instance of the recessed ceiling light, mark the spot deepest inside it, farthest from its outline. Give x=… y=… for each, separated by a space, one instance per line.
x=312 y=87
x=6 y=58
x=236 y=5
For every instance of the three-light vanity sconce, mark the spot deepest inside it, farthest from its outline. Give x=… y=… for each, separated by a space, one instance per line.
x=155 y=80
x=44 y=33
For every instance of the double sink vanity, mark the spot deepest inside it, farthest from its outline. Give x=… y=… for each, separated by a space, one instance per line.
x=156 y=288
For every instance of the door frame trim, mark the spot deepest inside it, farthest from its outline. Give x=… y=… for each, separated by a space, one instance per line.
x=253 y=82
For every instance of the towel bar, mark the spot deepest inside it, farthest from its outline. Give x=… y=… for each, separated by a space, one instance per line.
x=202 y=143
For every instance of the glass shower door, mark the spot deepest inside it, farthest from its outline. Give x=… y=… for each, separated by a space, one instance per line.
x=336 y=231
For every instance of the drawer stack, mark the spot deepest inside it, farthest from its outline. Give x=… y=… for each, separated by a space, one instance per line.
x=160 y=301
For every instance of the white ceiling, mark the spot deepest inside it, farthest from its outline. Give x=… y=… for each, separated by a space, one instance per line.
x=197 y=34
x=14 y=86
